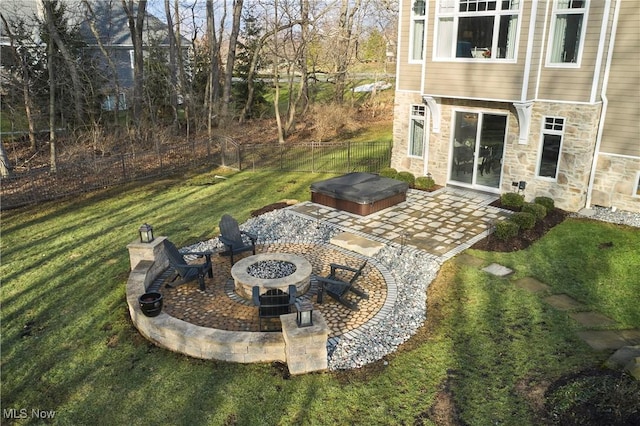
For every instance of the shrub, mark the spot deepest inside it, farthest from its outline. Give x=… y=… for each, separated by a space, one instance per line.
x=506 y=229
x=537 y=210
x=389 y=172
x=407 y=177
x=523 y=220
x=512 y=199
x=425 y=182
x=546 y=202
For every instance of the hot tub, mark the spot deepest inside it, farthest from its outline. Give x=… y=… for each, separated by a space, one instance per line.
x=359 y=193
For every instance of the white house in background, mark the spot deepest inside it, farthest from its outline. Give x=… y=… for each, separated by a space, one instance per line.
x=547 y=92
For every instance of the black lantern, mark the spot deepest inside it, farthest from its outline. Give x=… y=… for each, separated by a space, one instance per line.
x=146 y=233
x=304 y=317
x=418 y=7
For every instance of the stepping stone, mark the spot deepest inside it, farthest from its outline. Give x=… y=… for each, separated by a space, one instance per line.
x=631 y=336
x=467 y=259
x=622 y=357
x=564 y=303
x=498 y=270
x=531 y=284
x=601 y=340
x=357 y=244
x=592 y=319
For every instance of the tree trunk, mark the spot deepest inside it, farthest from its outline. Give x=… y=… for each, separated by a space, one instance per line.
x=136 y=24
x=213 y=83
x=5 y=165
x=52 y=110
x=343 y=54
x=231 y=56
x=173 y=69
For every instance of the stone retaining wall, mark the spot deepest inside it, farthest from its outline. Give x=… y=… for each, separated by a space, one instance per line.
x=209 y=343
x=199 y=342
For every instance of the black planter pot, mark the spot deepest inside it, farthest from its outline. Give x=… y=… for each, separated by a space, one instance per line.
x=151 y=304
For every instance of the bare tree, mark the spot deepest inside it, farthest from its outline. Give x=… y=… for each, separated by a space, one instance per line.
x=213 y=83
x=69 y=61
x=24 y=77
x=91 y=19
x=344 y=45
x=231 y=56
x=135 y=19
x=173 y=54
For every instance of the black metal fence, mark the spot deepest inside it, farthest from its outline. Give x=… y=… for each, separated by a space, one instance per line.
x=81 y=176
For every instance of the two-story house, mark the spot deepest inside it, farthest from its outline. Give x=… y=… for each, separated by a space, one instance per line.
x=537 y=93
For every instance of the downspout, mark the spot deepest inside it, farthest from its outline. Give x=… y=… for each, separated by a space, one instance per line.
x=425 y=143
x=605 y=104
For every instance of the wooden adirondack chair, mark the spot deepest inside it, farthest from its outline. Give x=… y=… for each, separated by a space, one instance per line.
x=233 y=238
x=273 y=303
x=188 y=271
x=338 y=288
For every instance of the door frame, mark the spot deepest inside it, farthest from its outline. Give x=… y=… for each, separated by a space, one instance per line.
x=476 y=155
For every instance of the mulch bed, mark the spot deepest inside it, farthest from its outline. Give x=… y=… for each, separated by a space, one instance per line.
x=525 y=238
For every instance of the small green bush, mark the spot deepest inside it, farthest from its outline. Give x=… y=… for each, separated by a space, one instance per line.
x=506 y=229
x=389 y=172
x=407 y=177
x=523 y=220
x=512 y=199
x=547 y=202
x=425 y=182
x=537 y=210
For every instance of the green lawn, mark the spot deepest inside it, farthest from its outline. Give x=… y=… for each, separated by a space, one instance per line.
x=68 y=344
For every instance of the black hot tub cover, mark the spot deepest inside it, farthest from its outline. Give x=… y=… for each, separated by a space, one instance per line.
x=359 y=187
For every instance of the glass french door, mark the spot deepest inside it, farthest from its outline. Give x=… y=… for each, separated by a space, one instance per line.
x=477 y=149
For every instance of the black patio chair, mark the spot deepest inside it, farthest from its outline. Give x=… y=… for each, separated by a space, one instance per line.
x=273 y=303
x=338 y=288
x=234 y=239
x=185 y=270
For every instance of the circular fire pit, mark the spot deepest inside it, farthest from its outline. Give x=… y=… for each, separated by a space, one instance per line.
x=271 y=271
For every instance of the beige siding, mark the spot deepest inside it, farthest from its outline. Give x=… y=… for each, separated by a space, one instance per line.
x=621 y=133
x=574 y=84
x=409 y=74
x=476 y=80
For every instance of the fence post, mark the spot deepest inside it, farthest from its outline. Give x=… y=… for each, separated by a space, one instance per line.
x=124 y=168
x=348 y=156
x=313 y=157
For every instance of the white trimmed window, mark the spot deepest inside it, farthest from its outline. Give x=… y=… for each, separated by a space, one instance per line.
x=416 y=37
x=477 y=29
x=569 y=19
x=416 y=131
x=549 y=158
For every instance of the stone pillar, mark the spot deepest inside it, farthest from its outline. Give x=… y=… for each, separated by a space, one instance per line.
x=305 y=347
x=153 y=251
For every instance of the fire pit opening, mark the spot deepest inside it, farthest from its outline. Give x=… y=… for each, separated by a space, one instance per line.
x=271 y=269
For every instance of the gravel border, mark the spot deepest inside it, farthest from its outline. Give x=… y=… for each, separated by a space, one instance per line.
x=604 y=214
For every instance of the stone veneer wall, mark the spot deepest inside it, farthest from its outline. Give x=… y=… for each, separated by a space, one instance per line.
x=569 y=190
x=401 y=111
x=616 y=182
